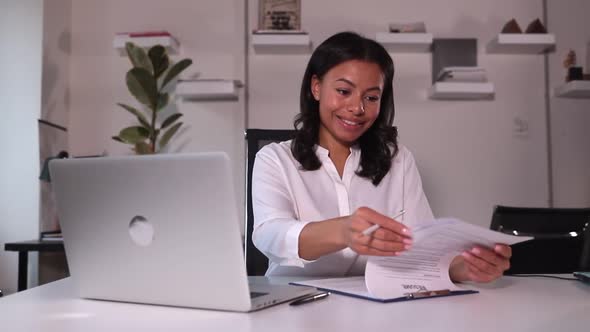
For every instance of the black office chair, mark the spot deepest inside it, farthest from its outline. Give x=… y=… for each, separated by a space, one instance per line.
x=256 y=262
x=562 y=238
x=585 y=259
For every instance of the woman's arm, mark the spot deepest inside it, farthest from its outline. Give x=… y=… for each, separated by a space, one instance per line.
x=325 y=237
x=290 y=242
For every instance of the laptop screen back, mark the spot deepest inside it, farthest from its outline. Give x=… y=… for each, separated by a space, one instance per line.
x=159 y=229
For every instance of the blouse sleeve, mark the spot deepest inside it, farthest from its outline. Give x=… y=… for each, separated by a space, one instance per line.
x=276 y=227
x=415 y=201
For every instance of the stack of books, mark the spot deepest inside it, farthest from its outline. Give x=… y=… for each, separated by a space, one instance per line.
x=278 y=32
x=140 y=34
x=462 y=74
x=145 y=39
x=51 y=236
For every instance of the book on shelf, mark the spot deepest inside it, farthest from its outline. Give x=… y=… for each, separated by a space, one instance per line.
x=51 y=236
x=139 y=34
x=279 y=32
x=462 y=74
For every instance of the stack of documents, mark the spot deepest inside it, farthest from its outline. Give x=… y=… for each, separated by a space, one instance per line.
x=462 y=74
x=422 y=271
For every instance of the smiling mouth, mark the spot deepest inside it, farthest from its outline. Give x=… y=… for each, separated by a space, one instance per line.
x=350 y=124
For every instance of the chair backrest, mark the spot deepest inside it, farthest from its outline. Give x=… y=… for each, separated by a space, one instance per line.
x=560 y=236
x=256 y=262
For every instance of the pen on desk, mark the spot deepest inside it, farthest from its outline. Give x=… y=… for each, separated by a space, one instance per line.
x=310 y=298
x=375 y=227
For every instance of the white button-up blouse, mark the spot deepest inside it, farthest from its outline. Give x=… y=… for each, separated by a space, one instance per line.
x=285 y=198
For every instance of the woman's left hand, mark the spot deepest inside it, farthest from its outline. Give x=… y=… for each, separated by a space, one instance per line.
x=481 y=264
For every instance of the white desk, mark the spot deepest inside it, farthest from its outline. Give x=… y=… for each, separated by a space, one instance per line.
x=509 y=304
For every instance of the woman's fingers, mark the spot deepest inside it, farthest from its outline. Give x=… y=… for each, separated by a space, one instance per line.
x=374 y=217
x=485 y=265
x=479 y=263
x=390 y=238
x=503 y=250
x=477 y=275
x=491 y=257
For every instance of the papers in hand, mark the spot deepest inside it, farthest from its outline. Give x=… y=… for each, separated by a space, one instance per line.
x=425 y=267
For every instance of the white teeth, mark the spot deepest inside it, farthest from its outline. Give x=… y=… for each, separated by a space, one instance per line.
x=350 y=123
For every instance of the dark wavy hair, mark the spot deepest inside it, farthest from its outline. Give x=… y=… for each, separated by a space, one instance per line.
x=379 y=143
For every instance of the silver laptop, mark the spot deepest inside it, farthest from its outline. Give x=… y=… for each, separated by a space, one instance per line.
x=159 y=229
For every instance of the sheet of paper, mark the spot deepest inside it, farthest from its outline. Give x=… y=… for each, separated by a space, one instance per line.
x=425 y=266
x=348 y=285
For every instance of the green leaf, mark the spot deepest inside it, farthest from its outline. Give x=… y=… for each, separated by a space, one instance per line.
x=134 y=135
x=162 y=101
x=140 y=117
x=142 y=86
x=159 y=59
x=138 y=57
x=143 y=148
x=170 y=120
x=175 y=70
x=168 y=134
x=118 y=139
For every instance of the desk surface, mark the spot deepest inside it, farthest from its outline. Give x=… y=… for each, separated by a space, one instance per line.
x=35 y=245
x=509 y=304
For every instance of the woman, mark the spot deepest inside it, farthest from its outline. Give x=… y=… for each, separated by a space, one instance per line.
x=343 y=172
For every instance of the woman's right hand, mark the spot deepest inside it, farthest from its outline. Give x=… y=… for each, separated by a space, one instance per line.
x=390 y=239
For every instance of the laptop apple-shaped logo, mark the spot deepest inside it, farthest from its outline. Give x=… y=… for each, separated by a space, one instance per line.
x=141 y=231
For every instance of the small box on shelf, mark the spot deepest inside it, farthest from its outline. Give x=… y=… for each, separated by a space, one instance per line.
x=208 y=89
x=410 y=42
x=291 y=41
x=462 y=90
x=573 y=89
x=146 y=39
x=522 y=43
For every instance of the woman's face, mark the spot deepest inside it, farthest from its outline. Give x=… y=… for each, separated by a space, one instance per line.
x=349 y=98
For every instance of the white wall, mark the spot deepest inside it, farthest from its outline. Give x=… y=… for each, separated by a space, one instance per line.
x=211 y=33
x=570 y=118
x=57 y=35
x=21 y=27
x=467 y=151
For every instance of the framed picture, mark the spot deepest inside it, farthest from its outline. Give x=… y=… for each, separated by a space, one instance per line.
x=282 y=15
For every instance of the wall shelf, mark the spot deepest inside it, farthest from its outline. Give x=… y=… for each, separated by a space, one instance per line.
x=208 y=89
x=281 y=42
x=573 y=89
x=462 y=90
x=522 y=43
x=169 y=42
x=405 y=42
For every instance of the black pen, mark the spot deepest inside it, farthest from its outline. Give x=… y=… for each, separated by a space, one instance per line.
x=310 y=298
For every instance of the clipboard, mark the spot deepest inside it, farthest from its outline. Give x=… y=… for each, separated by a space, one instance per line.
x=411 y=296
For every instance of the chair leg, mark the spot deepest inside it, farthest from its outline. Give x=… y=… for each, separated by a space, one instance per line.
x=23 y=265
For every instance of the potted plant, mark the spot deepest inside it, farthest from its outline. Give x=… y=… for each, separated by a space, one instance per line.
x=147 y=81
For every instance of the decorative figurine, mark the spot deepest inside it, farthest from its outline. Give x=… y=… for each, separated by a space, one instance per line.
x=573 y=72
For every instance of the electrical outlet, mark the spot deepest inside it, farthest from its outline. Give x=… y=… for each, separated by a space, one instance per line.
x=520 y=127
